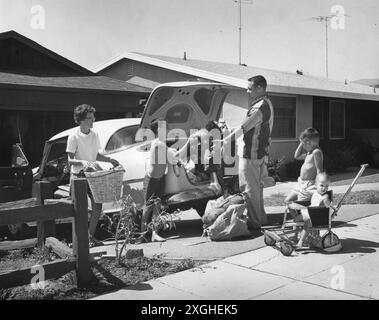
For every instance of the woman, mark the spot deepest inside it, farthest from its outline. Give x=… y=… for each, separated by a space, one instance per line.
x=83 y=147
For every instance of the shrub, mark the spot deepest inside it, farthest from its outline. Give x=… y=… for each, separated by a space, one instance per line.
x=273 y=168
x=340 y=159
x=352 y=152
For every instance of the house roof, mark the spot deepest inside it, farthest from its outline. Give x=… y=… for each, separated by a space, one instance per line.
x=98 y=83
x=237 y=75
x=19 y=37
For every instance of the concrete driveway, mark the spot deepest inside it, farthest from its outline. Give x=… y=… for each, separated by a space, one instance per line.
x=186 y=241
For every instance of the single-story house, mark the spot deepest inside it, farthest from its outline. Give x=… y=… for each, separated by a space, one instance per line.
x=335 y=108
x=39 y=90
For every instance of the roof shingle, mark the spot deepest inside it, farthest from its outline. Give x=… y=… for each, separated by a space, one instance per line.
x=101 y=83
x=274 y=77
x=237 y=75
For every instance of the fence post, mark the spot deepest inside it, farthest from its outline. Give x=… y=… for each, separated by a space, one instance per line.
x=43 y=190
x=80 y=241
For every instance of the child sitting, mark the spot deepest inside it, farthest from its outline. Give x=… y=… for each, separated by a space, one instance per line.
x=320 y=198
x=309 y=151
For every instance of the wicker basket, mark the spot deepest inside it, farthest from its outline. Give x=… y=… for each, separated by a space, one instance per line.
x=105 y=185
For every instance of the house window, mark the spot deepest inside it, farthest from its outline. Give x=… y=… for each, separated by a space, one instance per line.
x=284 y=117
x=336 y=120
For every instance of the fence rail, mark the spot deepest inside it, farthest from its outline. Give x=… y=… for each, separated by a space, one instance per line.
x=43 y=209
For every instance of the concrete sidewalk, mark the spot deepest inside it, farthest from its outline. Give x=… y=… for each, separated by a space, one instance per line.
x=266 y=274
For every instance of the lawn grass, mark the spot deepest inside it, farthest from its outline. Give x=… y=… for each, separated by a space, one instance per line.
x=358 y=197
x=373 y=178
x=370 y=175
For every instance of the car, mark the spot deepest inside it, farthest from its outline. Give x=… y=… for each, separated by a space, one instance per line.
x=15 y=183
x=183 y=105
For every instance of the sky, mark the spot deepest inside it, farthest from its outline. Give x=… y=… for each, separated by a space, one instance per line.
x=276 y=34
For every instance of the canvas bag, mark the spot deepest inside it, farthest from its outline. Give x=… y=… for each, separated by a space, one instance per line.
x=230 y=224
x=216 y=207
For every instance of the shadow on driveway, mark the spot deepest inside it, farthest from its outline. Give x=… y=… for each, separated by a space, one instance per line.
x=351 y=245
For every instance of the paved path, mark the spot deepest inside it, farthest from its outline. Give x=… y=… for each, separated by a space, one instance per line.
x=266 y=274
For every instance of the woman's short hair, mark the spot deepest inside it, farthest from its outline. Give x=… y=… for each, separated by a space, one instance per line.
x=81 y=112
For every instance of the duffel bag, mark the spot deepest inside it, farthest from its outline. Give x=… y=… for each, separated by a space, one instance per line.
x=229 y=225
x=216 y=207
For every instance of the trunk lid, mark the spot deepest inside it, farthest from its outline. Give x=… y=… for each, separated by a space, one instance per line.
x=185 y=105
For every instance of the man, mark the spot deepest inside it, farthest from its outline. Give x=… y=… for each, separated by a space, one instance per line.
x=253 y=149
x=83 y=147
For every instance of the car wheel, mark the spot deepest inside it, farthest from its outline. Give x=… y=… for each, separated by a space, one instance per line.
x=331 y=242
x=18 y=231
x=200 y=207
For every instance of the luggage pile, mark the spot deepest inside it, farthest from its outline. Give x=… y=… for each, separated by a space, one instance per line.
x=226 y=218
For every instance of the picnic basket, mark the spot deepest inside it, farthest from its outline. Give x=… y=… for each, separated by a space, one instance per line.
x=105 y=185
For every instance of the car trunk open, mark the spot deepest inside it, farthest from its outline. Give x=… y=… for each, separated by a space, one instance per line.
x=185 y=106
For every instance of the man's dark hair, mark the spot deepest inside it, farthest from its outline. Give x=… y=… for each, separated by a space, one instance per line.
x=81 y=111
x=154 y=125
x=259 y=81
x=310 y=133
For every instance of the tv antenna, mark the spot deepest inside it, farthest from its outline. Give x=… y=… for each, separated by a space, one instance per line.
x=240 y=2
x=326 y=19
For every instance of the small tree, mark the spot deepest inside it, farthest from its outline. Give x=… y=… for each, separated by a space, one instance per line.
x=125 y=225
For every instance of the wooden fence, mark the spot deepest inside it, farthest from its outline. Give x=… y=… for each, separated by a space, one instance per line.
x=44 y=210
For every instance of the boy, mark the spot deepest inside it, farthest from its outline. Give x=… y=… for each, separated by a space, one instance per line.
x=154 y=182
x=320 y=198
x=309 y=151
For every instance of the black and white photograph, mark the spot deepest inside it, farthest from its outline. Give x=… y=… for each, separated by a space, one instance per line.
x=189 y=155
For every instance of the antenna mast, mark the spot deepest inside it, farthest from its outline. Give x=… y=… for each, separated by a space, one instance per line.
x=240 y=27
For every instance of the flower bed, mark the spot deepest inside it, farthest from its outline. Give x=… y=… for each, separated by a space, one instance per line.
x=108 y=275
